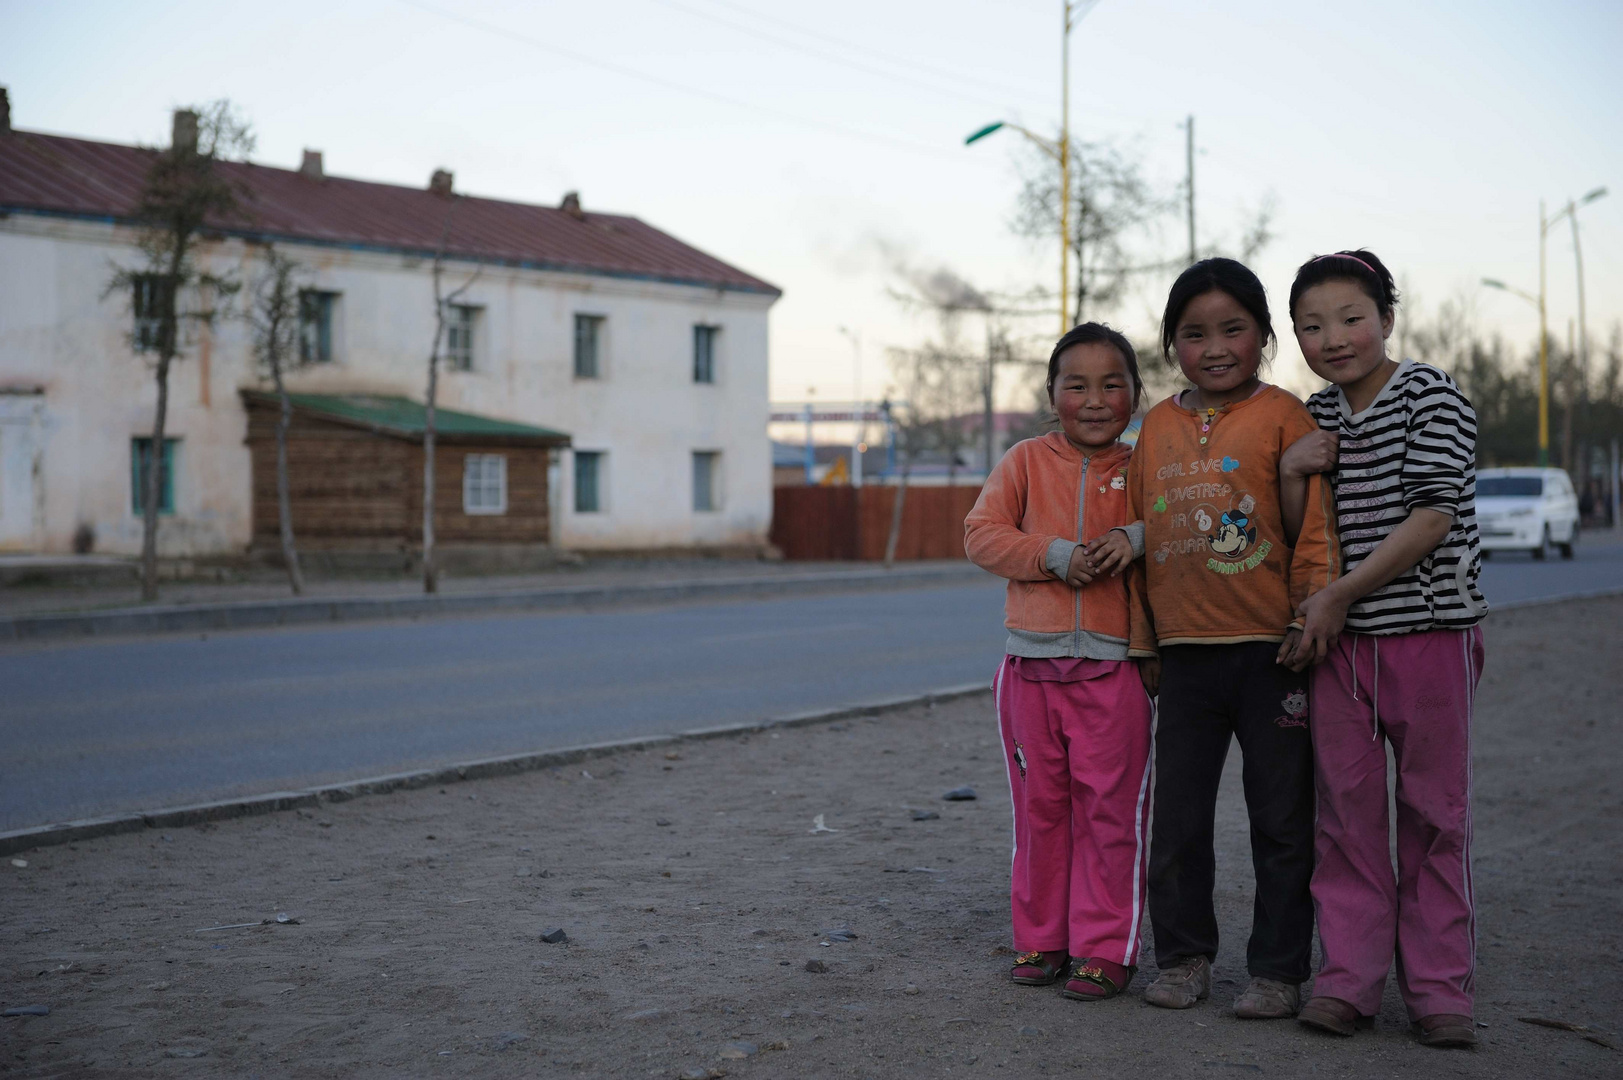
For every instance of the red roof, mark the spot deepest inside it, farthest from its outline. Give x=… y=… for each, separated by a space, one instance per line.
x=53 y=174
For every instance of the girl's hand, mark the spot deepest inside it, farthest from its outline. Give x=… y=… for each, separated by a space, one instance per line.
x=1315 y=452
x=1081 y=571
x=1149 y=670
x=1111 y=553
x=1287 y=648
x=1323 y=614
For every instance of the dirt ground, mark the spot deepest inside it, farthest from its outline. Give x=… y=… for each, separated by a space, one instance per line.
x=694 y=891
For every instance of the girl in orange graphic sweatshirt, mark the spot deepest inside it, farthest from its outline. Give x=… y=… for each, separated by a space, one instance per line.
x=1228 y=539
x=1074 y=716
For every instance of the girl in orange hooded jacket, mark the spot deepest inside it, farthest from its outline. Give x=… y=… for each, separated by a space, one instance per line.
x=1074 y=715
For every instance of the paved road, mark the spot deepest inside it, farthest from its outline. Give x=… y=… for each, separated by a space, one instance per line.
x=90 y=729
x=1513 y=576
x=104 y=727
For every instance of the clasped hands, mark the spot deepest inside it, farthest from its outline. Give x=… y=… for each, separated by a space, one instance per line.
x=1108 y=554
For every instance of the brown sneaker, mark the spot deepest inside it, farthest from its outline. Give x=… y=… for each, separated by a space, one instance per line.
x=1329 y=1014
x=1182 y=985
x=1447 y=1030
x=1268 y=999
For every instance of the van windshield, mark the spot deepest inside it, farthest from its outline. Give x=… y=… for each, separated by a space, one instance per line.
x=1510 y=485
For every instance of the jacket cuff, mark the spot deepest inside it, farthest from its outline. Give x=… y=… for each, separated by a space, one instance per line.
x=1058 y=559
x=1135 y=536
x=1136 y=653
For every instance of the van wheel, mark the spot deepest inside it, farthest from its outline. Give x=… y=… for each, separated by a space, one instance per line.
x=1543 y=550
x=1572 y=542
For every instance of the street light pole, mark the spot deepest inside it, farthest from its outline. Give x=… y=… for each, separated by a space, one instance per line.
x=1058 y=149
x=861 y=409
x=1065 y=173
x=1543 y=350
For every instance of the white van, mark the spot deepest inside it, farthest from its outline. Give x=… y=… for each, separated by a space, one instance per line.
x=1529 y=510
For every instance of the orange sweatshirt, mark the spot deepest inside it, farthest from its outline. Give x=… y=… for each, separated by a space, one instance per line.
x=1043 y=499
x=1218 y=567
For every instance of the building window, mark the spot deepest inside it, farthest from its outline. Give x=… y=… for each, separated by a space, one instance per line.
x=704 y=353
x=484 y=484
x=151 y=291
x=315 y=326
x=588 y=346
x=706 y=480
x=460 y=320
x=140 y=462
x=588 y=481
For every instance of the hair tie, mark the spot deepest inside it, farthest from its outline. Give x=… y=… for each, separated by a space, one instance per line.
x=1354 y=258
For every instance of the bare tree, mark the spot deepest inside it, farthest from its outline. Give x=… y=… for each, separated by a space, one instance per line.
x=442 y=304
x=1112 y=205
x=274 y=320
x=172 y=290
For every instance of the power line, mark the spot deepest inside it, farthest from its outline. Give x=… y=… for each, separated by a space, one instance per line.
x=955 y=77
x=667 y=84
x=821 y=54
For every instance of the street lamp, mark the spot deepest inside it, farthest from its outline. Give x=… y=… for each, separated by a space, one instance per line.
x=1545 y=223
x=1059 y=150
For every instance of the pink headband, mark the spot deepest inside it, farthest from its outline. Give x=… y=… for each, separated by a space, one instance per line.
x=1354 y=258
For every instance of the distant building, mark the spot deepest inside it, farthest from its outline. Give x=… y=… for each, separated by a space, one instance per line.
x=647 y=354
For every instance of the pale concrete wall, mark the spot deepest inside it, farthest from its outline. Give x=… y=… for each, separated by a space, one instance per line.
x=58 y=332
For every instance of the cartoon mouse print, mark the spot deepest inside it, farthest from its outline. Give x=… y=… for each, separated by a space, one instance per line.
x=1234 y=534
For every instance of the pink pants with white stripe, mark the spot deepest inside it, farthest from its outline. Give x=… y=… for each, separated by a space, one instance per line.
x=1417 y=691
x=1076 y=734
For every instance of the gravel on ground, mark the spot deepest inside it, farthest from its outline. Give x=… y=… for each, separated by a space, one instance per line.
x=771 y=905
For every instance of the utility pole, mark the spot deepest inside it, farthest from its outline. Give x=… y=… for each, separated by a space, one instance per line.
x=986 y=397
x=1065 y=172
x=1189 y=165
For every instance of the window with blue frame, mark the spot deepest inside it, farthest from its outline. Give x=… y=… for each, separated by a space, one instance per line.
x=140 y=463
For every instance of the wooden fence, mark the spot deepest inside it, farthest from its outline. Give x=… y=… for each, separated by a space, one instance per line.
x=845 y=523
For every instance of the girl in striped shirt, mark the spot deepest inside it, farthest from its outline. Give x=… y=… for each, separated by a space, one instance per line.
x=1399 y=652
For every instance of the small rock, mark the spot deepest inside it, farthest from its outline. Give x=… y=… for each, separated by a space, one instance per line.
x=19 y=863
x=1029 y=1030
x=555 y=936
x=910 y=989
x=27 y=1010
x=662 y=822
x=184 y=1052
x=738 y=1051
x=779 y=1044
x=672 y=755
x=840 y=933
x=645 y=1014
x=700 y=1074
x=816 y=967
x=159 y=986
x=960 y=794
x=509 y=1038
x=925 y=815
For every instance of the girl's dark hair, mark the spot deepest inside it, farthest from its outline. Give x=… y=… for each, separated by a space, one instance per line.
x=1226 y=276
x=1090 y=333
x=1360 y=266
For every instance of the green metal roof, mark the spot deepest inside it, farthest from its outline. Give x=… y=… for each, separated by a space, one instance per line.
x=405 y=418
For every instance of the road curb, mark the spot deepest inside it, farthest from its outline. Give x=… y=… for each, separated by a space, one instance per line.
x=180 y=817
x=1542 y=601
x=305 y=611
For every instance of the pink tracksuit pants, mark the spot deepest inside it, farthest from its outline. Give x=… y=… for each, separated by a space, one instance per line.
x=1417 y=691
x=1076 y=735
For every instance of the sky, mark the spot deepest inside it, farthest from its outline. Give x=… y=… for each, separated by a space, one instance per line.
x=822 y=146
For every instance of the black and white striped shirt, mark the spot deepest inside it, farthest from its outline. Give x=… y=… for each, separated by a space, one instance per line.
x=1414 y=447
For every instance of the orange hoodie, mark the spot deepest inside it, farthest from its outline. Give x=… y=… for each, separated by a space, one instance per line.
x=1043 y=499
x=1218 y=567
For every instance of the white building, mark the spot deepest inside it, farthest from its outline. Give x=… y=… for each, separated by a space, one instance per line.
x=649 y=354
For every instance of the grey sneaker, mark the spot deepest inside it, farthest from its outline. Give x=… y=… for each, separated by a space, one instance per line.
x=1182 y=985
x=1268 y=999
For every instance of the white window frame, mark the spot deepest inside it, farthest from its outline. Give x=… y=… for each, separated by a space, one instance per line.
x=318 y=320
x=461 y=336
x=706 y=338
x=599 y=325
x=484 y=484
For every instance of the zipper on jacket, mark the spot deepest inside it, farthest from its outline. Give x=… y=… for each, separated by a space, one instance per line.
x=1081 y=520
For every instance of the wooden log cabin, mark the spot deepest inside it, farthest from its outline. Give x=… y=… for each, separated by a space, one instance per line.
x=355 y=478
